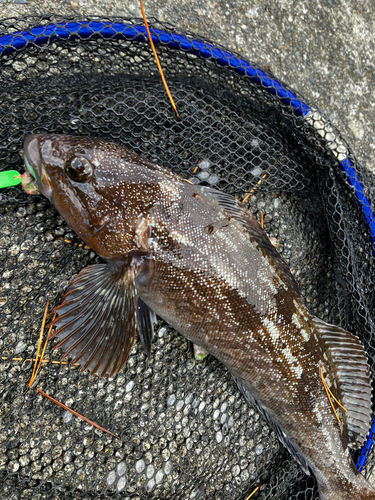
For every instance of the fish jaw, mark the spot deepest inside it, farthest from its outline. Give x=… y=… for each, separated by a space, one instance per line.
x=29 y=184
x=90 y=204
x=35 y=167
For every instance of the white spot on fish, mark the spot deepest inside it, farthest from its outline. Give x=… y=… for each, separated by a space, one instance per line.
x=180 y=238
x=305 y=334
x=271 y=329
x=298 y=370
x=171 y=189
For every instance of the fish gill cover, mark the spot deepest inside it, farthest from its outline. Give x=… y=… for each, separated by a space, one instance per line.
x=186 y=430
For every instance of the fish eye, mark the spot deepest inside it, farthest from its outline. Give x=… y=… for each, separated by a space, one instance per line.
x=79 y=169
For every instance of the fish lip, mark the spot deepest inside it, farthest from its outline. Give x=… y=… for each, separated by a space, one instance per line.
x=31 y=156
x=34 y=164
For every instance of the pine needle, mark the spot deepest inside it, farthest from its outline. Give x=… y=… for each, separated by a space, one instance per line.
x=329 y=394
x=77 y=414
x=253 y=493
x=329 y=390
x=45 y=345
x=79 y=245
x=261 y=220
x=34 y=372
x=254 y=188
x=157 y=60
x=41 y=361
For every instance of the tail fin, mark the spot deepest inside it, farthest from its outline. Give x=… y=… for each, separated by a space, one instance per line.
x=339 y=486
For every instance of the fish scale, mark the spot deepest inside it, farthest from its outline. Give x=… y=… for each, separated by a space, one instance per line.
x=200 y=261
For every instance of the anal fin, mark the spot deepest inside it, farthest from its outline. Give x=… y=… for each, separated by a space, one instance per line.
x=283 y=438
x=349 y=365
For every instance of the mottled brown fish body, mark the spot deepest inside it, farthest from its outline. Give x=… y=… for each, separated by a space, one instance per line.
x=201 y=262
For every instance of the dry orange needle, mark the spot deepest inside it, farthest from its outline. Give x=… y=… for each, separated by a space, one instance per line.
x=329 y=394
x=34 y=373
x=254 y=188
x=36 y=370
x=253 y=493
x=44 y=347
x=157 y=60
x=77 y=414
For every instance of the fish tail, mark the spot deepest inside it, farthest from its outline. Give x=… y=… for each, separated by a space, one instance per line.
x=350 y=487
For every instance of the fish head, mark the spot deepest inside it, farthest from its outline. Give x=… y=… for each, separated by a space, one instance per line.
x=86 y=180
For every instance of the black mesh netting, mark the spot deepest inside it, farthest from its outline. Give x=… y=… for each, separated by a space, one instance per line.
x=186 y=431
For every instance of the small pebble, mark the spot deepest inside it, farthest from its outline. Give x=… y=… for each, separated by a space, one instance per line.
x=159 y=476
x=203 y=175
x=274 y=242
x=204 y=164
x=140 y=466
x=259 y=449
x=129 y=386
x=171 y=400
x=20 y=347
x=67 y=417
x=213 y=179
x=121 y=484
x=150 y=485
x=256 y=172
x=121 y=469
x=111 y=478
x=150 y=471
x=180 y=405
x=168 y=467
x=199 y=352
x=162 y=332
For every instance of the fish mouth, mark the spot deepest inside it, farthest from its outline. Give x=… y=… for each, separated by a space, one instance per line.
x=31 y=155
x=34 y=166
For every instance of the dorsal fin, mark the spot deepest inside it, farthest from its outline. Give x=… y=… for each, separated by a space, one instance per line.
x=241 y=214
x=350 y=368
x=279 y=432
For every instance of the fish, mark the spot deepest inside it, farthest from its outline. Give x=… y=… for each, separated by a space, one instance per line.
x=198 y=259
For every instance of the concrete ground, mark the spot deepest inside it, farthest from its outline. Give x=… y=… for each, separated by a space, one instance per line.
x=323 y=48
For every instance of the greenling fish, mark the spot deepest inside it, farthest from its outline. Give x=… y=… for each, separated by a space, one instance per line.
x=199 y=260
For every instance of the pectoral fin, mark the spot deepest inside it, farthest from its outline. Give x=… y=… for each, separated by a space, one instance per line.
x=96 y=321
